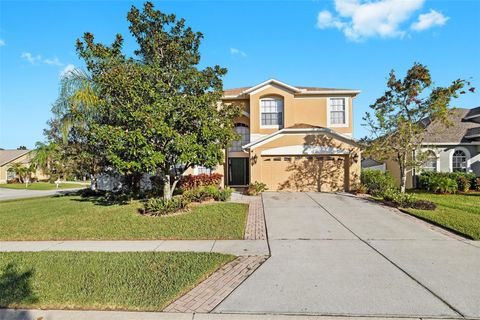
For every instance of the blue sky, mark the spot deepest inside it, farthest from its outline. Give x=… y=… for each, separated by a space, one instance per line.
x=331 y=43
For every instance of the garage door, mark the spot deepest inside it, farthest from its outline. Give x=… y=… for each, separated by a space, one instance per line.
x=304 y=173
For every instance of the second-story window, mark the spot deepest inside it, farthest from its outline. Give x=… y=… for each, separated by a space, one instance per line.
x=271 y=112
x=337 y=111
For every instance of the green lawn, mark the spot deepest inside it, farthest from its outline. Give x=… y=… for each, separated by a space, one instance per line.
x=74 y=218
x=460 y=212
x=147 y=281
x=42 y=186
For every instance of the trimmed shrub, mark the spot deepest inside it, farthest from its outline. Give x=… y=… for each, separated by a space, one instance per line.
x=160 y=206
x=477 y=184
x=439 y=184
x=190 y=181
x=397 y=198
x=223 y=194
x=406 y=200
x=377 y=182
x=256 y=188
x=205 y=193
x=465 y=180
x=463 y=183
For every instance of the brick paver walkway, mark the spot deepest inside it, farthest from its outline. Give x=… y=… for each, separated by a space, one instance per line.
x=208 y=294
x=255 y=229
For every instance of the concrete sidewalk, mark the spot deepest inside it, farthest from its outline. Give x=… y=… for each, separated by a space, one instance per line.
x=23 y=314
x=235 y=247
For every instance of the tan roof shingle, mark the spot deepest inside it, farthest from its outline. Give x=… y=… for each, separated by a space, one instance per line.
x=7 y=156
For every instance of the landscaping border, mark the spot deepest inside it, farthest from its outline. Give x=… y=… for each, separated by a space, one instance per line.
x=212 y=291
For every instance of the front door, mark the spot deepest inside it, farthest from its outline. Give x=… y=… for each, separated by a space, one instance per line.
x=238 y=171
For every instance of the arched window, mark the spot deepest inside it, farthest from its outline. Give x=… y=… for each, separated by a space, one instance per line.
x=430 y=163
x=244 y=133
x=459 y=161
x=271 y=112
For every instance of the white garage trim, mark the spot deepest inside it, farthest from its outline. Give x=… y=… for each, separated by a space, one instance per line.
x=298 y=150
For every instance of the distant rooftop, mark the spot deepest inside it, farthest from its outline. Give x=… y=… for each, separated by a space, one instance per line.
x=7 y=156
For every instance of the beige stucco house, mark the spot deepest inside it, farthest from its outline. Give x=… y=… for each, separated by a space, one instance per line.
x=8 y=157
x=292 y=138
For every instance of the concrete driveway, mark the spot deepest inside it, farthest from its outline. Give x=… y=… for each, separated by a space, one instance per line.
x=10 y=194
x=335 y=254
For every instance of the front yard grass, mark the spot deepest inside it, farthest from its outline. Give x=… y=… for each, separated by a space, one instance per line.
x=42 y=186
x=459 y=212
x=75 y=218
x=146 y=281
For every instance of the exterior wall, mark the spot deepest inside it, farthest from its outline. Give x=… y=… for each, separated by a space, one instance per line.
x=25 y=160
x=298 y=108
x=335 y=172
x=394 y=169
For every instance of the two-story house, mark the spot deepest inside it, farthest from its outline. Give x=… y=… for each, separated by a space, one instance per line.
x=293 y=138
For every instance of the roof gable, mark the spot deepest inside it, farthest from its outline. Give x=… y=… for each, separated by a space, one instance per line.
x=269 y=83
x=243 y=92
x=7 y=156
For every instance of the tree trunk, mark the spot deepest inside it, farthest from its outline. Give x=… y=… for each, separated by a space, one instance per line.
x=167 y=194
x=403 y=178
x=174 y=184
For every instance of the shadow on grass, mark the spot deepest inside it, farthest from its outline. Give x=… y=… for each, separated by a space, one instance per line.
x=104 y=200
x=15 y=289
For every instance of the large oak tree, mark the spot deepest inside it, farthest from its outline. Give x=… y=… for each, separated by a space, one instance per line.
x=155 y=111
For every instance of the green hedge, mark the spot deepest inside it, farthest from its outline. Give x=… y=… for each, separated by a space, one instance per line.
x=448 y=182
x=377 y=182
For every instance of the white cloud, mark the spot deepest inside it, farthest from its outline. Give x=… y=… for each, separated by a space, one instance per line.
x=53 y=62
x=65 y=71
x=362 y=19
x=30 y=57
x=2 y=43
x=237 y=52
x=428 y=20
x=326 y=20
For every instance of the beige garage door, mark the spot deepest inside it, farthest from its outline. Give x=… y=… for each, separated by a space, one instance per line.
x=304 y=173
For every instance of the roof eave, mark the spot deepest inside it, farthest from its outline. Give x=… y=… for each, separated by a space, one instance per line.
x=306 y=130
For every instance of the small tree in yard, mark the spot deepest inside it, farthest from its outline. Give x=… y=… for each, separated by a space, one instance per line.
x=401 y=115
x=156 y=112
x=22 y=171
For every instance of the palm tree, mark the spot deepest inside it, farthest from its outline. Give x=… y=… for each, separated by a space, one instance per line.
x=22 y=172
x=45 y=156
x=77 y=101
x=74 y=109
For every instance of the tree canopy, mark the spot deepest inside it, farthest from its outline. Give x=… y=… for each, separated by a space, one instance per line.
x=155 y=111
x=400 y=116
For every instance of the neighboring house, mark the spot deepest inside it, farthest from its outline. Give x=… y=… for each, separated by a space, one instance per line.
x=292 y=138
x=8 y=157
x=453 y=148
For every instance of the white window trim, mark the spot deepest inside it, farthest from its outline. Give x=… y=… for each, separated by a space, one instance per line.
x=347 y=107
x=437 y=155
x=467 y=154
x=260 y=113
